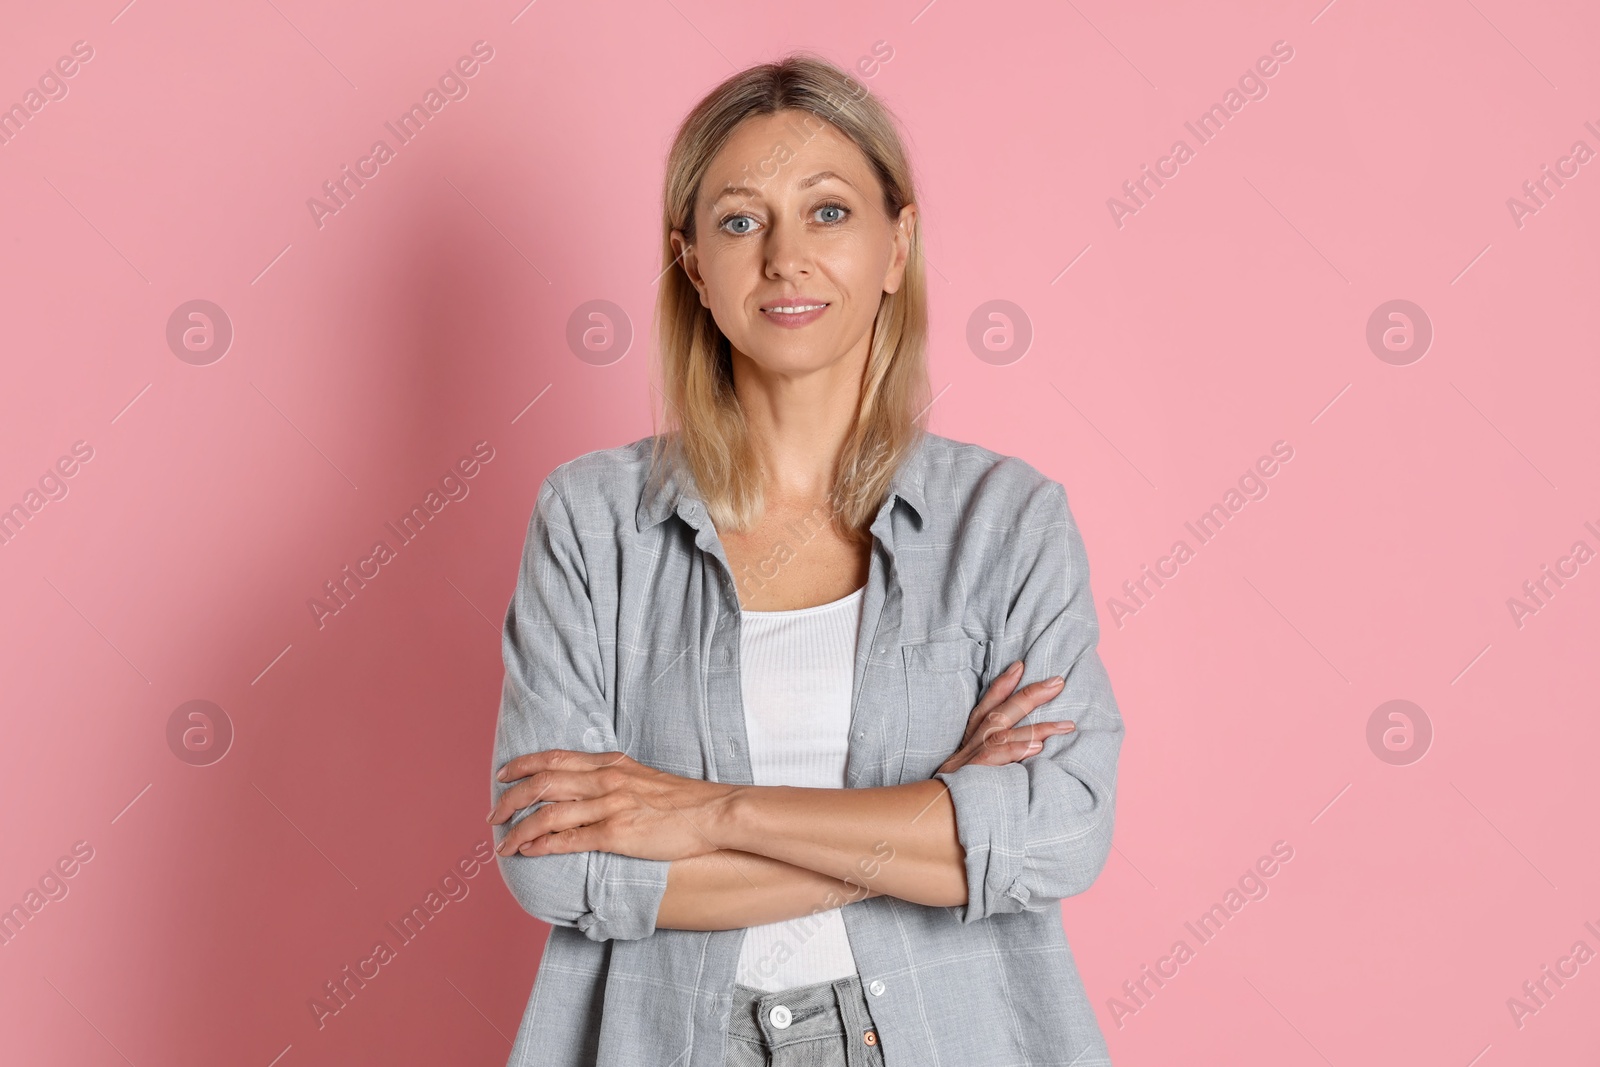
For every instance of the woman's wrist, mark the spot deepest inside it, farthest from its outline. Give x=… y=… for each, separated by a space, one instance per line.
x=731 y=829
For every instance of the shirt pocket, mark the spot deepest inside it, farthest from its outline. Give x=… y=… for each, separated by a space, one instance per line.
x=943 y=680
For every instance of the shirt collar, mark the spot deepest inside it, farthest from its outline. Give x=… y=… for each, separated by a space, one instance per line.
x=667 y=489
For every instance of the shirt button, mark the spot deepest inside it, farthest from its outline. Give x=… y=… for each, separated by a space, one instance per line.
x=780 y=1017
x=876 y=988
x=882 y=651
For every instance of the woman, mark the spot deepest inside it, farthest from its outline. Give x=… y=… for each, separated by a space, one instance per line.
x=760 y=761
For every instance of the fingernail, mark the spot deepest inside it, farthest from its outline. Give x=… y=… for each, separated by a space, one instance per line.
x=490 y=816
x=1034 y=746
x=1014 y=666
x=1066 y=728
x=1057 y=680
x=502 y=775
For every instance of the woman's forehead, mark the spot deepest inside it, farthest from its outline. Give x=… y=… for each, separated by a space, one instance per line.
x=786 y=151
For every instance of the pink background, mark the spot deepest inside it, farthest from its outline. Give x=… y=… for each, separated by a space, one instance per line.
x=431 y=312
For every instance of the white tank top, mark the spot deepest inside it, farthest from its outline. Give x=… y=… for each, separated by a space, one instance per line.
x=796 y=673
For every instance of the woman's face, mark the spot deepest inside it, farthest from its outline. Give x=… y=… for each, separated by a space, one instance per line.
x=790 y=214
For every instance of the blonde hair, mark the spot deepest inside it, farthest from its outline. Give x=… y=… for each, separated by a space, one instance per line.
x=703 y=425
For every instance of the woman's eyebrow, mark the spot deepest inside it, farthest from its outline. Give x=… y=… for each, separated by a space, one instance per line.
x=805 y=183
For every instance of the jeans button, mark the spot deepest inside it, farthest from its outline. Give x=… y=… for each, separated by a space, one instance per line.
x=780 y=1017
x=876 y=987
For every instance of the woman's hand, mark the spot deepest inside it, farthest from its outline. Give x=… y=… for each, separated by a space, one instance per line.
x=993 y=737
x=606 y=802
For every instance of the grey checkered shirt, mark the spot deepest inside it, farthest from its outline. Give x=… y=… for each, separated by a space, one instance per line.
x=623 y=635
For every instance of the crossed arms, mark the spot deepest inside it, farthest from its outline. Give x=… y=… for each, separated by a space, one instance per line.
x=595 y=840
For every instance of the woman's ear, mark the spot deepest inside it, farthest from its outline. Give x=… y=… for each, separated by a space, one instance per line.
x=903 y=228
x=683 y=252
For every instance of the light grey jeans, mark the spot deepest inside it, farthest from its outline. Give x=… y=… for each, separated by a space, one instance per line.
x=823 y=1025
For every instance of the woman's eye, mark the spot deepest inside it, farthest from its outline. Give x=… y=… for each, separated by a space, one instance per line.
x=740 y=225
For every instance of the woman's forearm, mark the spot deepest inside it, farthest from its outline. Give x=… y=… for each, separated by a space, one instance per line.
x=898 y=840
x=728 y=889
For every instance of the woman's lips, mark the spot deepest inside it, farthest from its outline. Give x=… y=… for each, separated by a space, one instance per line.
x=794 y=320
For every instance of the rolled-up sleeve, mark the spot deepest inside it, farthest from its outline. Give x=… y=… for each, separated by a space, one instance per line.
x=553 y=696
x=1039 y=830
